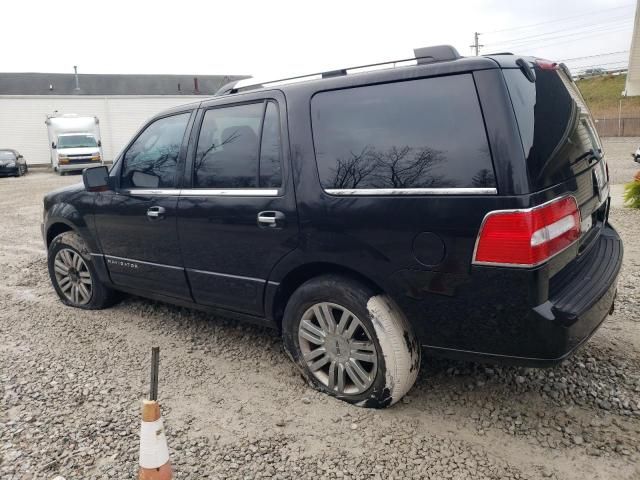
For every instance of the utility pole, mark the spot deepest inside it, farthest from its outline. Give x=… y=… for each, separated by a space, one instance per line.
x=476 y=45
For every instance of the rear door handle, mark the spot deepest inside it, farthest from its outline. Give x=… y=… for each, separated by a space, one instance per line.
x=271 y=219
x=156 y=212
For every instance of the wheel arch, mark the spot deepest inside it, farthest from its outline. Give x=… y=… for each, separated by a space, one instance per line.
x=56 y=228
x=303 y=273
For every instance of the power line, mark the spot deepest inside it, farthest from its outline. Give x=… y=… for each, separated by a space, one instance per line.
x=593 y=56
x=547 y=42
x=560 y=19
x=624 y=62
x=552 y=35
x=597 y=24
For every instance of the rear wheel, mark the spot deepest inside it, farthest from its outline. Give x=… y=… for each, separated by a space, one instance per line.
x=351 y=342
x=73 y=274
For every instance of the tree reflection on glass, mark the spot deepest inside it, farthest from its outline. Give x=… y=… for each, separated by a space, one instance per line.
x=397 y=167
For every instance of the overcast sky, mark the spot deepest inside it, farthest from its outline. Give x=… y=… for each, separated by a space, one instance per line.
x=271 y=39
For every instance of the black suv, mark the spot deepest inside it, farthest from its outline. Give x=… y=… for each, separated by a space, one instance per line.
x=456 y=205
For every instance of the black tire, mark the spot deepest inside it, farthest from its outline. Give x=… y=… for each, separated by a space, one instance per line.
x=396 y=347
x=20 y=173
x=100 y=295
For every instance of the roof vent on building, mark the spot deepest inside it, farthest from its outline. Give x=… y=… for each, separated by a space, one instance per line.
x=75 y=70
x=437 y=53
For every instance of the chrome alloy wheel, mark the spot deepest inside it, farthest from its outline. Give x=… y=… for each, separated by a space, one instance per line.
x=337 y=348
x=73 y=276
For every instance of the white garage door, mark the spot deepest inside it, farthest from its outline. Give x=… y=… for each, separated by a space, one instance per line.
x=22 y=119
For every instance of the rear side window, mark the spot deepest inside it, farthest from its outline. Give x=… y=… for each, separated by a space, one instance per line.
x=425 y=133
x=557 y=133
x=152 y=159
x=237 y=149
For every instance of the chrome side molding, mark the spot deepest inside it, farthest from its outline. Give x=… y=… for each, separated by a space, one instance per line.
x=412 y=191
x=205 y=192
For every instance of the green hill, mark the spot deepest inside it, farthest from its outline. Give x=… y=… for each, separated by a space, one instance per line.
x=602 y=94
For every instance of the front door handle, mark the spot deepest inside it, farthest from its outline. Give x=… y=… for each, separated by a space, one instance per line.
x=156 y=213
x=271 y=219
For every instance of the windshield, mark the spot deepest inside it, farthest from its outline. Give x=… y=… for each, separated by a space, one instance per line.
x=6 y=155
x=77 y=141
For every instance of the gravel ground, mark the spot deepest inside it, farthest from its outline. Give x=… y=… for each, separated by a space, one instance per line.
x=235 y=407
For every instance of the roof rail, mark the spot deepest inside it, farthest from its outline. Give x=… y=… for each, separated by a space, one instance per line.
x=437 y=53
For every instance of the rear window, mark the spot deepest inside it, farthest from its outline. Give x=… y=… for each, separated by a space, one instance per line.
x=556 y=129
x=425 y=133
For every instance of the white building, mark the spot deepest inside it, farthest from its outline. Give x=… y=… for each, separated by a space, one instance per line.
x=632 y=87
x=122 y=103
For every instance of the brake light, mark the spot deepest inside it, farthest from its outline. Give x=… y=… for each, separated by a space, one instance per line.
x=546 y=64
x=526 y=238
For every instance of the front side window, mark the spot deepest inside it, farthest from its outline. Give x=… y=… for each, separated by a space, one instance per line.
x=152 y=159
x=239 y=147
x=426 y=133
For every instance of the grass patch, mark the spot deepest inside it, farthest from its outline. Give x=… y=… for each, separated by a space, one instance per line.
x=603 y=95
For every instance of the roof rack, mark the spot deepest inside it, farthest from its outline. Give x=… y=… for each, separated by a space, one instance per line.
x=424 y=55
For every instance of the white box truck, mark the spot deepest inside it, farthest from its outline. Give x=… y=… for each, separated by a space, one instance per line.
x=74 y=142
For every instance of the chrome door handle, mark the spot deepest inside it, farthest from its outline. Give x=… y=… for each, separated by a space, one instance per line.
x=155 y=212
x=271 y=219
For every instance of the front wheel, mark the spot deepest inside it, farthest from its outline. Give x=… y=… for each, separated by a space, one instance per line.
x=73 y=275
x=351 y=342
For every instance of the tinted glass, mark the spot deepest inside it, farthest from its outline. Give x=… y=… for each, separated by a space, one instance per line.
x=5 y=155
x=77 y=141
x=270 y=149
x=227 y=153
x=152 y=159
x=416 y=134
x=557 y=133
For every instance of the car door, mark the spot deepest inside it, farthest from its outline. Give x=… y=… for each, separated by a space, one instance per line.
x=136 y=222
x=238 y=216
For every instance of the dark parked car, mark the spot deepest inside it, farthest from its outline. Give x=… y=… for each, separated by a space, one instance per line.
x=457 y=206
x=12 y=163
x=636 y=155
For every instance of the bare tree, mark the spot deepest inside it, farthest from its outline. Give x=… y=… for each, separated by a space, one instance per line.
x=353 y=170
x=484 y=178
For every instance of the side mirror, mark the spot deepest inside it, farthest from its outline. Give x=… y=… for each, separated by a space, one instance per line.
x=99 y=143
x=53 y=144
x=96 y=179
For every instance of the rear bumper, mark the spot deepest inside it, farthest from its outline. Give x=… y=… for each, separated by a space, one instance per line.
x=582 y=294
x=492 y=318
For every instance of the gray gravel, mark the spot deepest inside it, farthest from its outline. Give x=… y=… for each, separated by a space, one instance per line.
x=234 y=406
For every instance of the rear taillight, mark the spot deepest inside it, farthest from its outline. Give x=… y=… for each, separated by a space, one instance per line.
x=526 y=238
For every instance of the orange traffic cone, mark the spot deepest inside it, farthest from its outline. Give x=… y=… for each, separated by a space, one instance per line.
x=154 y=453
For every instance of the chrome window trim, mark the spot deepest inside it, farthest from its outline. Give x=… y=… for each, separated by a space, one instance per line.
x=229 y=192
x=412 y=191
x=206 y=192
x=151 y=191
